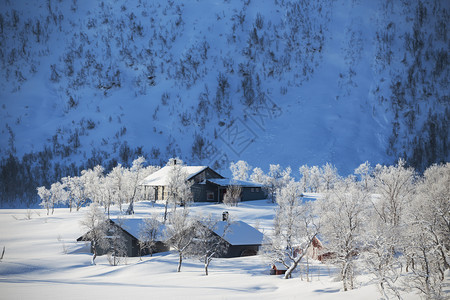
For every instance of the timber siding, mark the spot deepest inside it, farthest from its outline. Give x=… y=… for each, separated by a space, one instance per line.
x=256 y=193
x=202 y=192
x=131 y=242
x=241 y=250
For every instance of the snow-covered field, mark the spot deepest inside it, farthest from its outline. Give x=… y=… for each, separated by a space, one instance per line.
x=43 y=261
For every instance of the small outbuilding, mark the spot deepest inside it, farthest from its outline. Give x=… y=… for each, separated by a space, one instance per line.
x=130 y=231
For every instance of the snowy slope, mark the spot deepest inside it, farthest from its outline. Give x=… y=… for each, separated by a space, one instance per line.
x=217 y=81
x=43 y=261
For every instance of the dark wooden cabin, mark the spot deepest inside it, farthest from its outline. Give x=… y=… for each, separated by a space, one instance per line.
x=242 y=239
x=130 y=231
x=207 y=185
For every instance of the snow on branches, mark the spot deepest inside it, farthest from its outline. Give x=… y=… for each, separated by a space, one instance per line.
x=121 y=185
x=294 y=229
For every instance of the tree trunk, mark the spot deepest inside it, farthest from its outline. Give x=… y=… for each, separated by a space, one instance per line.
x=344 y=277
x=94 y=256
x=289 y=271
x=179 y=262
x=207 y=261
x=165 y=210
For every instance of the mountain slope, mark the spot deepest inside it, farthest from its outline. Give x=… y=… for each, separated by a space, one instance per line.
x=294 y=83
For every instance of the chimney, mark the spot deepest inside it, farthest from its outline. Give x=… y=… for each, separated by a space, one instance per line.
x=174 y=162
x=225 y=216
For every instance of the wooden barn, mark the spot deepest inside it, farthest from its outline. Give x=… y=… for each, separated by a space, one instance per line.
x=130 y=230
x=207 y=185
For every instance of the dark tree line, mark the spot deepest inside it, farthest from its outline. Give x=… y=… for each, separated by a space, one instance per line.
x=20 y=176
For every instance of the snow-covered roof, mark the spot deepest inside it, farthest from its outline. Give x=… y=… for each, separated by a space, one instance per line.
x=228 y=182
x=133 y=226
x=239 y=233
x=161 y=177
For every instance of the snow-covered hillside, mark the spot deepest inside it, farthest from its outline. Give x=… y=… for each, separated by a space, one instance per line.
x=302 y=82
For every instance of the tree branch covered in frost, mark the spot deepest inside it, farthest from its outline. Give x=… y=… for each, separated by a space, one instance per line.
x=233 y=195
x=393 y=225
x=181 y=233
x=121 y=185
x=178 y=188
x=294 y=229
x=208 y=245
x=342 y=214
x=149 y=232
x=96 y=225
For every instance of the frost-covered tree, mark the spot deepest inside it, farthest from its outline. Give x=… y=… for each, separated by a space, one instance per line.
x=378 y=258
x=117 y=180
x=208 y=245
x=240 y=170
x=305 y=177
x=117 y=243
x=178 y=188
x=134 y=176
x=149 y=232
x=45 y=196
x=294 y=229
x=106 y=191
x=50 y=197
x=364 y=171
x=146 y=194
x=258 y=176
x=58 y=194
x=76 y=187
x=329 y=176
x=276 y=179
x=428 y=234
x=70 y=193
x=385 y=236
x=395 y=186
x=92 y=178
x=232 y=195
x=96 y=225
x=181 y=232
x=342 y=213
x=314 y=179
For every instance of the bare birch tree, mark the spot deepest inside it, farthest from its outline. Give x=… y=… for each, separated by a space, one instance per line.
x=294 y=229
x=342 y=214
x=96 y=225
x=209 y=245
x=149 y=232
x=233 y=194
x=180 y=233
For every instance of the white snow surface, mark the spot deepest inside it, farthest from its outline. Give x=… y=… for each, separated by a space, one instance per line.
x=239 y=233
x=43 y=261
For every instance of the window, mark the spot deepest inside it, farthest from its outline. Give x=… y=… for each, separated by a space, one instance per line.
x=210 y=196
x=253 y=190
